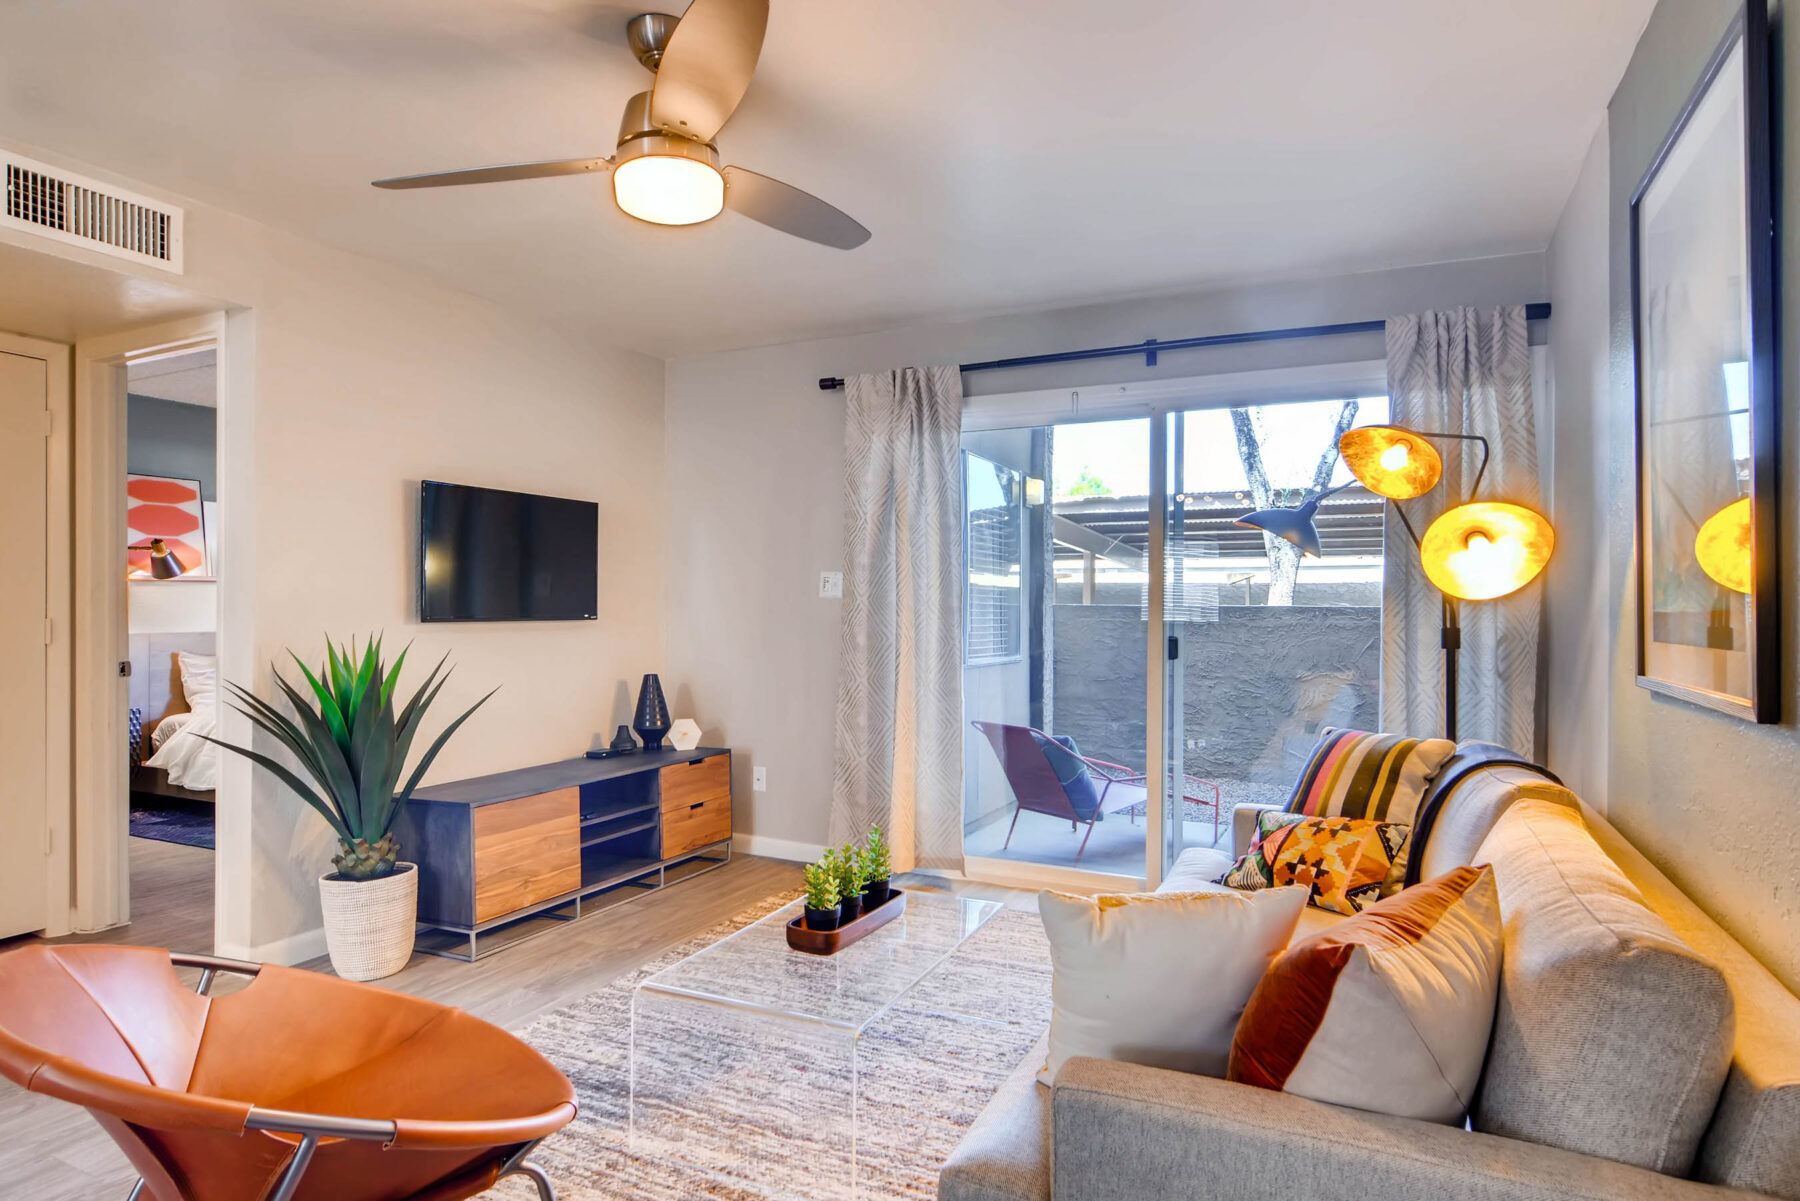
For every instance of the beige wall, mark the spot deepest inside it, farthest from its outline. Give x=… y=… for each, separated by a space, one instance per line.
x=1577 y=638
x=346 y=382
x=755 y=475
x=1710 y=799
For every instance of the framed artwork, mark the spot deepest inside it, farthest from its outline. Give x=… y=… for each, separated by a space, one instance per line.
x=159 y=506
x=1703 y=322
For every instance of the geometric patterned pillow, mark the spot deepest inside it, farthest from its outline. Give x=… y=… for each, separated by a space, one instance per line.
x=1252 y=871
x=1342 y=860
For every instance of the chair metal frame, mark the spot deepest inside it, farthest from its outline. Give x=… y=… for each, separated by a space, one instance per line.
x=309 y=1127
x=1110 y=773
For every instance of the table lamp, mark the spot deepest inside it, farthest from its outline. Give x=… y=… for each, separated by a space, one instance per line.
x=163 y=563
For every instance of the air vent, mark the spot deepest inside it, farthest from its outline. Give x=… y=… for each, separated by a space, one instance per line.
x=85 y=212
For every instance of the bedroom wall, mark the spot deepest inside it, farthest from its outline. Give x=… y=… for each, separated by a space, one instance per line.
x=755 y=500
x=344 y=382
x=166 y=437
x=1686 y=785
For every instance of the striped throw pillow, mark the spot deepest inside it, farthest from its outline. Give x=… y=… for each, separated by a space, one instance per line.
x=1372 y=777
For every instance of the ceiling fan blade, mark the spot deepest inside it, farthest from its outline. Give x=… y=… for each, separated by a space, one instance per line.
x=449 y=179
x=707 y=66
x=785 y=207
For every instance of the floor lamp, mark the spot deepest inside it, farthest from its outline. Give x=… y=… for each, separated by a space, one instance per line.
x=1473 y=551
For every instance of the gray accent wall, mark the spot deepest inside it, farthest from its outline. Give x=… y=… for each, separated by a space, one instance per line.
x=165 y=437
x=1712 y=800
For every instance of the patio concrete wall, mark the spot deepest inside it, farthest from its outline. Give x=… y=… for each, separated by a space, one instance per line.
x=1257 y=684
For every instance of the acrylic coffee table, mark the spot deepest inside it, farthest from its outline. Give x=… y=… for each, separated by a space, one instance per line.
x=749 y=1019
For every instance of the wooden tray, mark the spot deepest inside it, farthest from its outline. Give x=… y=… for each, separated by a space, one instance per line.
x=830 y=942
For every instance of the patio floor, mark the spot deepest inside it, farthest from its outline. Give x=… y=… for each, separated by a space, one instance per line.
x=1117 y=844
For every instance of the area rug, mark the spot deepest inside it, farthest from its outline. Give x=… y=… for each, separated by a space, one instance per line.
x=190 y=825
x=764 y=1110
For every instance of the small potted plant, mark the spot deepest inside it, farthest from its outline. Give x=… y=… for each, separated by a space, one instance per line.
x=849 y=864
x=822 y=911
x=352 y=742
x=875 y=869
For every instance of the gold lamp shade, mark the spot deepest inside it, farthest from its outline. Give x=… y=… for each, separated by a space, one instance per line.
x=1486 y=549
x=1723 y=546
x=1390 y=461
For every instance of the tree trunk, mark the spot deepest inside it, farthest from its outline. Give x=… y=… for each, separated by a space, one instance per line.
x=1283 y=556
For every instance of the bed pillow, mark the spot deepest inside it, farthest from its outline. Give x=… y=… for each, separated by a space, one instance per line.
x=1389 y=1011
x=199 y=679
x=1159 y=978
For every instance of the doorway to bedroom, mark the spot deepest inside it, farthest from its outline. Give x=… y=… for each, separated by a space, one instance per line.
x=171 y=579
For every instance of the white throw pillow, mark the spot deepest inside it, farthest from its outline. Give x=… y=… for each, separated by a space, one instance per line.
x=199 y=679
x=1159 y=978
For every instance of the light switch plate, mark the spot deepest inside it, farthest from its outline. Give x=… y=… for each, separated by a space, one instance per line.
x=831 y=585
x=759 y=779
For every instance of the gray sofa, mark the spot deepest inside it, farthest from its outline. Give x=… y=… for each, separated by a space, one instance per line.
x=1638 y=1053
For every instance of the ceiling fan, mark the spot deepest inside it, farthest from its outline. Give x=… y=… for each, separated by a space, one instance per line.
x=666 y=167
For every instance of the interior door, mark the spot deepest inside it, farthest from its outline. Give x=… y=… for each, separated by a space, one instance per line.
x=24 y=491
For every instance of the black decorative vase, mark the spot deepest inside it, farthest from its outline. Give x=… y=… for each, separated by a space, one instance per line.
x=822 y=919
x=874 y=895
x=850 y=908
x=623 y=742
x=652 y=720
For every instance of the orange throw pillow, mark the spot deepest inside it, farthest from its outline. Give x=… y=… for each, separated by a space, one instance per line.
x=1343 y=860
x=1389 y=1011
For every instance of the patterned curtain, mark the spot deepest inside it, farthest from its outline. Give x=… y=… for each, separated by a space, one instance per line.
x=1461 y=371
x=899 y=702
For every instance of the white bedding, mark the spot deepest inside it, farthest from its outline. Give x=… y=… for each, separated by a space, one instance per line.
x=191 y=761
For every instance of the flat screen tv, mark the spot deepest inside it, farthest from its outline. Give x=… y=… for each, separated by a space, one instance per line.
x=488 y=555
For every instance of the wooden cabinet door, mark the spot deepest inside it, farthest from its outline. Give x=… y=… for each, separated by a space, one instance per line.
x=696 y=805
x=526 y=851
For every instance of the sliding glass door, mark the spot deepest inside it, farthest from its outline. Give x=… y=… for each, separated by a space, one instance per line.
x=1264 y=645
x=1125 y=640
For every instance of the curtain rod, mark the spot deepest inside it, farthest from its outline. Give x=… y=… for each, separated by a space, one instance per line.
x=1150 y=347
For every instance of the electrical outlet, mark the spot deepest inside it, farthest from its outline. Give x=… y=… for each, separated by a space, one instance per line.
x=759 y=779
x=831 y=585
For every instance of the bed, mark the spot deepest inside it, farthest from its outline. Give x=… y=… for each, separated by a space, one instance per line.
x=174 y=684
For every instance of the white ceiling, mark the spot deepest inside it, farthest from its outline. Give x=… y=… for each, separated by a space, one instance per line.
x=1007 y=154
x=189 y=379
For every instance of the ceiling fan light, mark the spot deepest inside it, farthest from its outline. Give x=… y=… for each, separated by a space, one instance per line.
x=669 y=189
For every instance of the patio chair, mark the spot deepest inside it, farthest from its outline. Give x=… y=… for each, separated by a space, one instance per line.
x=299 y=1087
x=1027 y=756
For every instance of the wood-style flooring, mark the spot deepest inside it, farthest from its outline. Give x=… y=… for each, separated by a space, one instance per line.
x=52 y=1151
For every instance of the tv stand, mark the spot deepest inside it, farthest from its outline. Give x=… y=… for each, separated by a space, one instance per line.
x=506 y=857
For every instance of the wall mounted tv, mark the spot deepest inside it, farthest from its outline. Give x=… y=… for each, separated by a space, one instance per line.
x=488 y=555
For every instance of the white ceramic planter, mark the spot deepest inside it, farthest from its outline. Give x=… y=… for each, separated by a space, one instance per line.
x=369 y=923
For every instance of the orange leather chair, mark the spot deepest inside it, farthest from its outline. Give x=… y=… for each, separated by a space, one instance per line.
x=300 y=1087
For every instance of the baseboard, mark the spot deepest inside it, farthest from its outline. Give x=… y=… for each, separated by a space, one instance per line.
x=289 y=951
x=1016 y=874
x=776 y=848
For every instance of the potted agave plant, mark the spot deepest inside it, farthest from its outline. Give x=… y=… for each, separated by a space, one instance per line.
x=848 y=863
x=822 y=896
x=353 y=744
x=875 y=869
